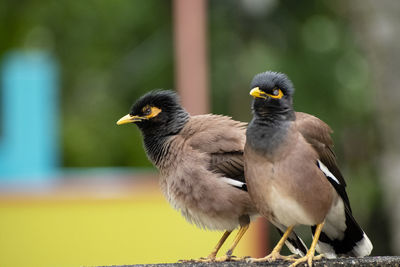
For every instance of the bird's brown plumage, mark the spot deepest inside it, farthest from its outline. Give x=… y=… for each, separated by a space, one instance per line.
x=208 y=148
x=280 y=183
x=318 y=134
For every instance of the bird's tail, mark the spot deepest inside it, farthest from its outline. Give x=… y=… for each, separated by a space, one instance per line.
x=343 y=239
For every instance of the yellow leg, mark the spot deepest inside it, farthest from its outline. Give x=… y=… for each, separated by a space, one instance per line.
x=213 y=253
x=309 y=257
x=275 y=254
x=228 y=255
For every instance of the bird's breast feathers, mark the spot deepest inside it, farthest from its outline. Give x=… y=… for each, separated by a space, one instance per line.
x=197 y=205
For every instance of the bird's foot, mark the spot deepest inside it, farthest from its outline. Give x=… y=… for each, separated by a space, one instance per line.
x=230 y=258
x=291 y=257
x=272 y=257
x=308 y=259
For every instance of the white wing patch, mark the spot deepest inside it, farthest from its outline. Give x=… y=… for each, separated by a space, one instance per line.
x=232 y=182
x=327 y=173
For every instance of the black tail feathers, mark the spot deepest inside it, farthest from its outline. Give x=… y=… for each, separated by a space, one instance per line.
x=351 y=241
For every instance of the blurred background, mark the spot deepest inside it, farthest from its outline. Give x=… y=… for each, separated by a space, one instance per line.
x=76 y=190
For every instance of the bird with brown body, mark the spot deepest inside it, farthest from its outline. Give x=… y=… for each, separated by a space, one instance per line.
x=292 y=175
x=200 y=160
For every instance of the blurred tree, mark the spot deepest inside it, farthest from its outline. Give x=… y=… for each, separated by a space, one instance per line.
x=377 y=31
x=111 y=52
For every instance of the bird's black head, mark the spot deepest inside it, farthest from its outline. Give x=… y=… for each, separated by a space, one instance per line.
x=272 y=92
x=157 y=113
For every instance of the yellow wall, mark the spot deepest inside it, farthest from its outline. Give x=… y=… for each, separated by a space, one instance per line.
x=51 y=231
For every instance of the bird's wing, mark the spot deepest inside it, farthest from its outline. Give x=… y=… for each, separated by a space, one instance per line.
x=230 y=164
x=223 y=140
x=344 y=235
x=318 y=134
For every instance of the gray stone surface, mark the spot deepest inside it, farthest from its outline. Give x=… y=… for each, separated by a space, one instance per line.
x=363 y=262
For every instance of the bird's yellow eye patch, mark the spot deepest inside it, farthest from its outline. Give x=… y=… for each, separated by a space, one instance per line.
x=276 y=93
x=150 y=112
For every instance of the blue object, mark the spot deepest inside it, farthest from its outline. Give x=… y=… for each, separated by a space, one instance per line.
x=29 y=137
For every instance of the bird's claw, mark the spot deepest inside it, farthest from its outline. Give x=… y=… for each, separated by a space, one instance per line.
x=308 y=258
x=272 y=257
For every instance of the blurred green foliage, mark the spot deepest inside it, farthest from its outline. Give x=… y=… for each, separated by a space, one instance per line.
x=111 y=52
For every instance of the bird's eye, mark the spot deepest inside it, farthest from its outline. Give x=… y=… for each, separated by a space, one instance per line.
x=146 y=110
x=275 y=91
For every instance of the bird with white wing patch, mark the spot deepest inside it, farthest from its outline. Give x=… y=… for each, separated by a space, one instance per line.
x=292 y=175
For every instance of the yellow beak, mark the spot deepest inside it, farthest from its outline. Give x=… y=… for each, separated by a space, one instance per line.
x=256 y=92
x=129 y=119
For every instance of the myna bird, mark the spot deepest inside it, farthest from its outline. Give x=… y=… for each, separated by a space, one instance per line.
x=200 y=159
x=292 y=175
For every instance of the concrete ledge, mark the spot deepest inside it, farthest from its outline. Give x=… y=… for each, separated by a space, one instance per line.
x=363 y=262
